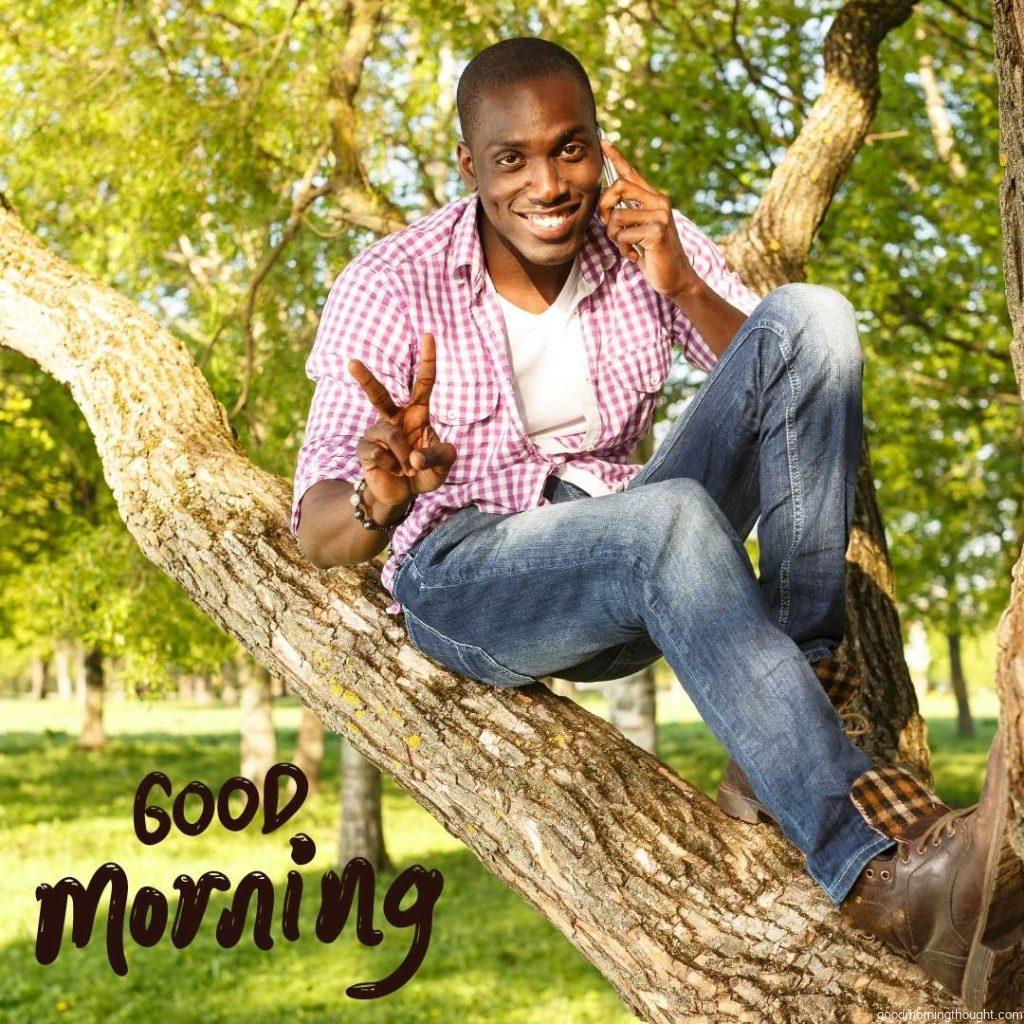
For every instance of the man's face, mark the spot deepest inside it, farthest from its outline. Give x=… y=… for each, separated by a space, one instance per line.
x=536 y=164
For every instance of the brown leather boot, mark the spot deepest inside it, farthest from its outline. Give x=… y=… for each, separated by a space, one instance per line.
x=951 y=897
x=840 y=681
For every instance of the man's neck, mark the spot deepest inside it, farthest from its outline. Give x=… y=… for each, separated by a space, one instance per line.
x=530 y=286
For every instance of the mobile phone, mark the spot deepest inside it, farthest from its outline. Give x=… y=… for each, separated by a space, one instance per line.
x=608 y=177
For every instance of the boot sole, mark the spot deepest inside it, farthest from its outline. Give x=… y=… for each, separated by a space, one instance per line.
x=994 y=973
x=745 y=808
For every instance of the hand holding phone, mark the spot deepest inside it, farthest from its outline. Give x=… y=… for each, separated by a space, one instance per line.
x=640 y=222
x=608 y=178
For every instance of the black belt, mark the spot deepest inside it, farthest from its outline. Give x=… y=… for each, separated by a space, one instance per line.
x=555 y=484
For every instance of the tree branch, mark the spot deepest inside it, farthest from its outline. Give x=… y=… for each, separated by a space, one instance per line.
x=772 y=247
x=686 y=913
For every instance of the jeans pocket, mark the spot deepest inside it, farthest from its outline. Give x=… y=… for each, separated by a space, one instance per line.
x=464 y=659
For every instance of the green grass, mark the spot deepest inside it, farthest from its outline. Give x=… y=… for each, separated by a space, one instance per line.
x=492 y=958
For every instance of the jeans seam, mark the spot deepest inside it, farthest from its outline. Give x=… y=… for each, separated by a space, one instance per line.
x=795 y=480
x=880 y=842
x=460 y=647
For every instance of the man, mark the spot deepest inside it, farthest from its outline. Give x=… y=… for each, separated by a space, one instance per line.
x=482 y=377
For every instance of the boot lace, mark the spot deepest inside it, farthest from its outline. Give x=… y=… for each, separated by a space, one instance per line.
x=855 y=724
x=936 y=832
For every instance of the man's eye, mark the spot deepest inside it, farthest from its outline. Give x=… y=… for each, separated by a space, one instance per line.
x=573 y=146
x=507 y=156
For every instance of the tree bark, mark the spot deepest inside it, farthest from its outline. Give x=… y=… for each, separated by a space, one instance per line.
x=362 y=830
x=92 y=736
x=874 y=641
x=1009 y=47
x=258 y=739
x=964 y=721
x=685 y=912
x=309 y=747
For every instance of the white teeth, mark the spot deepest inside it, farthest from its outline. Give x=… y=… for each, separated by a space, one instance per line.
x=550 y=222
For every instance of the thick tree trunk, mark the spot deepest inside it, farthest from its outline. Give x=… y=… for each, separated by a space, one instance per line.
x=309 y=747
x=1009 y=46
x=92 y=736
x=63 y=659
x=964 y=721
x=39 y=674
x=229 y=692
x=186 y=688
x=362 y=831
x=201 y=693
x=874 y=641
x=258 y=739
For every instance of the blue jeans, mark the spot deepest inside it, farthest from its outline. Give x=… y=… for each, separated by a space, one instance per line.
x=591 y=588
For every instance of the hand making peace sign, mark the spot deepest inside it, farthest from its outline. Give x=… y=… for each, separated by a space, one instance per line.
x=401 y=454
x=648 y=222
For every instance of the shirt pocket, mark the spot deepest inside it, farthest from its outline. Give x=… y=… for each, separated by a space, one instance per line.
x=644 y=368
x=631 y=379
x=464 y=413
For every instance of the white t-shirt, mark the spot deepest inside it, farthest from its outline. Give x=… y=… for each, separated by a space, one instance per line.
x=549 y=365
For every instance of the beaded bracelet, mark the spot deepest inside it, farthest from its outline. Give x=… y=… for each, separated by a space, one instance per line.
x=364 y=519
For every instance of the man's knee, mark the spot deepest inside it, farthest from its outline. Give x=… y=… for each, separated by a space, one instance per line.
x=679 y=515
x=824 y=320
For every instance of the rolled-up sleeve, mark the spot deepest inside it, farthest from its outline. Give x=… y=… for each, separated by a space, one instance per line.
x=366 y=318
x=708 y=260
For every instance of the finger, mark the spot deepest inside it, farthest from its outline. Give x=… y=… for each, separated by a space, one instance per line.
x=427 y=373
x=393 y=438
x=629 y=237
x=627 y=216
x=629 y=194
x=372 y=388
x=434 y=455
x=377 y=456
x=622 y=218
x=625 y=169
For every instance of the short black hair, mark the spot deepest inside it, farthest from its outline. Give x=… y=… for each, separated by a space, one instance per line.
x=521 y=59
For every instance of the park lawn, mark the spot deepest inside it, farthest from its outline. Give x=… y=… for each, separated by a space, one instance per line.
x=492 y=958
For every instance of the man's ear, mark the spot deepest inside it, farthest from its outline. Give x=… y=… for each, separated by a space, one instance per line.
x=464 y=163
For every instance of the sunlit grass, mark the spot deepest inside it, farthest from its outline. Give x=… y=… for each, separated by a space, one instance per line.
x=492 y=958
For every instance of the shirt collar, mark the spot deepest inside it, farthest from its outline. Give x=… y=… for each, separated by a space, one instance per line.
x=596 y=255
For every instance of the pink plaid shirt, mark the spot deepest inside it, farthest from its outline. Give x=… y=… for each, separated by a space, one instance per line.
x=429 y=277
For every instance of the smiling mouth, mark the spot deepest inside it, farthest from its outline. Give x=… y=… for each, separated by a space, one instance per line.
x=551 y=225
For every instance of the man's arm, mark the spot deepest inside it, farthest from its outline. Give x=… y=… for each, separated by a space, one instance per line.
x=399 y=456
x=715 y=319
x=364 y=318
x=329 y=534
x=712 y=304
x=678 y=260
